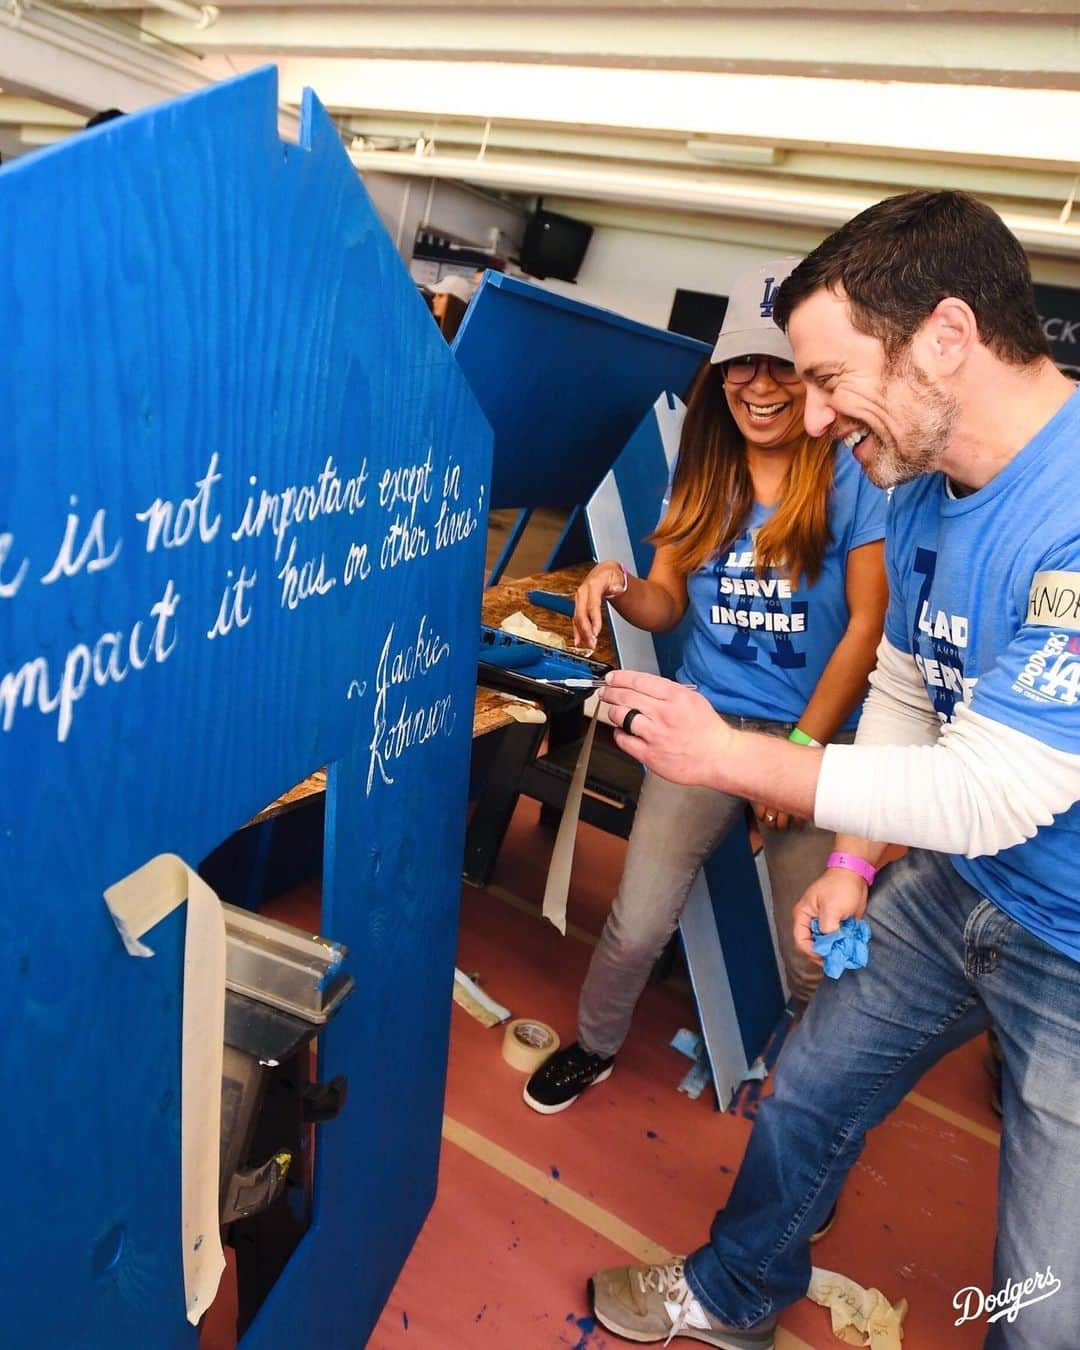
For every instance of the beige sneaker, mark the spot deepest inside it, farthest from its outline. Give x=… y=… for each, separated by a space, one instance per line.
x=654 y=1303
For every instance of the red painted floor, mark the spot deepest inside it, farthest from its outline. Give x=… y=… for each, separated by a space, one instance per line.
x=529 y=1206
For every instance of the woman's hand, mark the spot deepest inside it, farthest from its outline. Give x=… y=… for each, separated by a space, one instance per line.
x=838 y=894
x=604 y=582
x=674 y=731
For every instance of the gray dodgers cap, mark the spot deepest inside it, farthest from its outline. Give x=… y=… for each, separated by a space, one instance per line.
x=748 y=327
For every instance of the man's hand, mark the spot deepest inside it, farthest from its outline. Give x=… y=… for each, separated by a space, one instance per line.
x=838 y=894
x=674 y=731
x=605 y=581
x=772 y=818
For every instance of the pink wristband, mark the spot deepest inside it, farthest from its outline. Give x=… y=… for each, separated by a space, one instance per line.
x=625 y=579
x=853 y=864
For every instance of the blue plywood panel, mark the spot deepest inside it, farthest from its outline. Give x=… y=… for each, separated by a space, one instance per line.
x=725 y=929
x=196 y=315
x=750 y=959
x=563 y=385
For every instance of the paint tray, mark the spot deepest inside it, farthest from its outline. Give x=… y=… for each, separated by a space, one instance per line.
x=275 y=963
x=520 y=666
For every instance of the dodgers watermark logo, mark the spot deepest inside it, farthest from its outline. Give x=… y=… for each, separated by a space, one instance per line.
x=768 y=297
x=971 y=1303
x=1052 y=674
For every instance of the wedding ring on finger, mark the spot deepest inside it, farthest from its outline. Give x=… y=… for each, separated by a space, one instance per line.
x=631 y=713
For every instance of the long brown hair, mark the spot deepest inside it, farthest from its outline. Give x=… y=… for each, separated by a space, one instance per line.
x=712 y=493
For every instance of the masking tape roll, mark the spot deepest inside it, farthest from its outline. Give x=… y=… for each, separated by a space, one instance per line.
x=527 y=1043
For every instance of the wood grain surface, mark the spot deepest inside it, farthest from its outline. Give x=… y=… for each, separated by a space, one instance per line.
x=242 y=516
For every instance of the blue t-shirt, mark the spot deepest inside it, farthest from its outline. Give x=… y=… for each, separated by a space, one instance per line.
x=985 y=595
x=752 y=645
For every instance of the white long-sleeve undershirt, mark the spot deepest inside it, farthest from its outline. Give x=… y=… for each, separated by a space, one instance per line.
x=971 y=786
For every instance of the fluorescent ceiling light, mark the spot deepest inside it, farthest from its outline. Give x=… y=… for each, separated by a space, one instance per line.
x=724 y=152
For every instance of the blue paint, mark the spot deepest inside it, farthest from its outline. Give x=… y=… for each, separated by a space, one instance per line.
x=405 y=1320
x=510 y=652
x=189 y=305
x=587 y=1326
x=651 y=1134
x=479 y=1316
x=555 y=1172
x=333 y=968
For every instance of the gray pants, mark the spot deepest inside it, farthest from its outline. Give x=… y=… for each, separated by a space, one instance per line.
x=675 y=829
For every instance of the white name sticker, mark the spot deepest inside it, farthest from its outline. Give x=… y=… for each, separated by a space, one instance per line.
x=1054 y=600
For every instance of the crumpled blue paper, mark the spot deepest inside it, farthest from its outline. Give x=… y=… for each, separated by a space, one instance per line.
x=846 y=949
x=692 y=1045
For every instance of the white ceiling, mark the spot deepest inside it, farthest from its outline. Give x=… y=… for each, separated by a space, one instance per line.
x=685 y=113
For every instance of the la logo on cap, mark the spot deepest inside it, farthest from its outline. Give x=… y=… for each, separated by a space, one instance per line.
x=768 y=297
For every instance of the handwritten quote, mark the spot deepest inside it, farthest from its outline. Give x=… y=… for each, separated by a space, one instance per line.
x=400 y=514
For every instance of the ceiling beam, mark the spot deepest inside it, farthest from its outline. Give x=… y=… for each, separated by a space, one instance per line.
x=1029 y=51
x=81 y=63
x=676 y=10
x=670 y=150
x=778 y=238
x=1011 y=126
x=737 y=197
x=15 y=111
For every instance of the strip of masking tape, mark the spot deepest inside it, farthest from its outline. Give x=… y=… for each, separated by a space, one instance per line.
x=595 y=707
x=526 y=712
x=520 y=625
x=527 y=1043
x=136 y=904
x=557 y=886
x=469 y=995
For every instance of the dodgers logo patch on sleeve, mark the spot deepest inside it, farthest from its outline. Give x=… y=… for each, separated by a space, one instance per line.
x=1054 y=601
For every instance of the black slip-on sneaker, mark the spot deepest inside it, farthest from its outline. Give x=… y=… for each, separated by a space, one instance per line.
x=562 y=1078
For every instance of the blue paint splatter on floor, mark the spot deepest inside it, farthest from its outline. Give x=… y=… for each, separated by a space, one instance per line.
x=587 y=1326
x=480 y=1314
x=554 y=1171
x=726 y=1170
x=405 y=1320
x=651 y=1134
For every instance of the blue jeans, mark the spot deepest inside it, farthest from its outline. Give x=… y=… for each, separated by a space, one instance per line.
x=675 y=830
x=945 y=963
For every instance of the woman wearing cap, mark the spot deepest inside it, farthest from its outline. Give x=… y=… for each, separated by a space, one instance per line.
x=770 y=549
